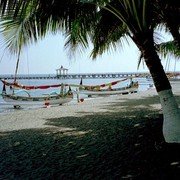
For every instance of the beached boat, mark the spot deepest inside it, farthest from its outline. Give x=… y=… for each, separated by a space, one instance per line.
x=17 y=100
x=132 y=88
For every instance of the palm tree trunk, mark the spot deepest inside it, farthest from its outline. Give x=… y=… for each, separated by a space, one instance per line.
x=171 y=112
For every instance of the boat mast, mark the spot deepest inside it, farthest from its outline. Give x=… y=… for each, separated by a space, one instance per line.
x=62 y=89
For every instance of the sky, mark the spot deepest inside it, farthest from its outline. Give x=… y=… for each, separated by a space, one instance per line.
x=49 y=54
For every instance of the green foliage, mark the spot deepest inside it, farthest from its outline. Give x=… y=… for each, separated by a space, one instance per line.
x=103 y=22
x=168 y=49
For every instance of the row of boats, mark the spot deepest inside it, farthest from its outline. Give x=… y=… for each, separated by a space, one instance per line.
x=16 y=100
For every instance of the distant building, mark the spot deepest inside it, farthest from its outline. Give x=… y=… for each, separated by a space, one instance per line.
x=61 y=71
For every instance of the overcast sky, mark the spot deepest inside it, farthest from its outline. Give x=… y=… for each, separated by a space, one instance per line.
x=49 y=54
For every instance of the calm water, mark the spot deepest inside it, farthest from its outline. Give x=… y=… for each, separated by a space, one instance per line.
x=143 y=85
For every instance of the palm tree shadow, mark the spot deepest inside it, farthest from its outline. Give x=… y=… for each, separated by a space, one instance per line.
x=111 y=145
x=134 y=104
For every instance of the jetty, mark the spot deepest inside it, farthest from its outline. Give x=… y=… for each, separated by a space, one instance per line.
x=87 y=75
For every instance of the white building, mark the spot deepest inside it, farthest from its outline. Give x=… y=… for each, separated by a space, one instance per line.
x=61 y=71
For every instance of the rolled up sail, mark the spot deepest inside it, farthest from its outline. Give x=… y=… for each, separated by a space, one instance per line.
x=20 y=86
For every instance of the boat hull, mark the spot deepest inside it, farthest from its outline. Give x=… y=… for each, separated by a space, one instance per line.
x=109 y=92
x=37 y=101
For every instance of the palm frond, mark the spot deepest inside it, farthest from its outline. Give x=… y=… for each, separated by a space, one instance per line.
x=169 y=16
x=168 y=49
x=104 y=22
x=18 y=33
x=140 y=60
x=107 y=33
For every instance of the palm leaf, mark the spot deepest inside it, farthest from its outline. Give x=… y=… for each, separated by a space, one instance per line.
x=168 y=49
x=104 y=22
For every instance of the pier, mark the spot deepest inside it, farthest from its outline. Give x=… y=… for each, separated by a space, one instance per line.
x=86 y=75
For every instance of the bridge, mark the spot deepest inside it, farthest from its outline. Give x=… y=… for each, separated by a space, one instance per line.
x=86 y=75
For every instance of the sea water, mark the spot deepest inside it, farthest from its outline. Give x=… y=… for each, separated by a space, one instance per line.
x=5 y=108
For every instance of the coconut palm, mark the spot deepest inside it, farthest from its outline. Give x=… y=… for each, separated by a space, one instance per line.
x=104 y=23
x=17 y=34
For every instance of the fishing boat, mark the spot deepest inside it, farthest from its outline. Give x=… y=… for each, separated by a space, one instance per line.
x=98 y=91
x=26 y=99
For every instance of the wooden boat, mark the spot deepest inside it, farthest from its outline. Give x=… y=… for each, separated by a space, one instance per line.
x=44 y=100
x=132 y=88
x=28 y=100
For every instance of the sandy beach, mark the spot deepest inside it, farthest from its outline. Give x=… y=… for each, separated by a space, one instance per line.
x=36 y=118
x=101 y=138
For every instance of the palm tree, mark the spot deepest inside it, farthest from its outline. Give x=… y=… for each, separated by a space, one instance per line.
x=17 y=34
x=104 y=23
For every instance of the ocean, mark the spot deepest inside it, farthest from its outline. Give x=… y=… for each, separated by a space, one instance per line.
x=4 y=108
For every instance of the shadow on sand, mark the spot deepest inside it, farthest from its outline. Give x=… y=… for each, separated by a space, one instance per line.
x=112 y=145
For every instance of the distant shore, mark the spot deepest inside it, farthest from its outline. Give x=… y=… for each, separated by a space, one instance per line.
x=86 y=75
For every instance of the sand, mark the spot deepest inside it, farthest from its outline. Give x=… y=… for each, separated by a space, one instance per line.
x=111 y=137
x=36 y=118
